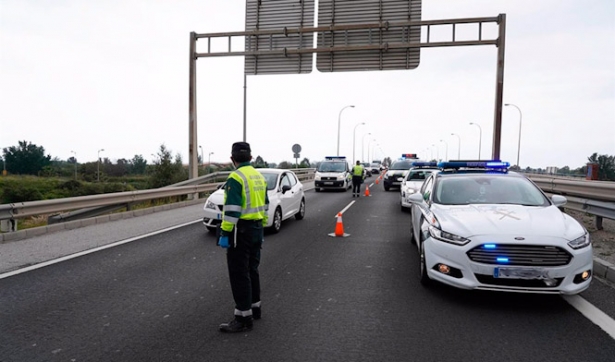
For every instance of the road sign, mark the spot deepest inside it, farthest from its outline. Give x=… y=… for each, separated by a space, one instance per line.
x=274 y=15
x=338 y=12
x=296 y=148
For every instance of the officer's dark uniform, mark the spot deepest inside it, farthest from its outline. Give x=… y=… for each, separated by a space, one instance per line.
x=245 y=214
x=357 y=179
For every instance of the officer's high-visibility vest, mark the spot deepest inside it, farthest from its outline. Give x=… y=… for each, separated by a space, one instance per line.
x=357 y=170
x=253 y=198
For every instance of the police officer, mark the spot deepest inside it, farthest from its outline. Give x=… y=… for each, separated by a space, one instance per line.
x=357 y=179
x=241 y=234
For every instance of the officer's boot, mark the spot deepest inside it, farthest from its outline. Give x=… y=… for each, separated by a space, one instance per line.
x=256 y=313
x=238 y=324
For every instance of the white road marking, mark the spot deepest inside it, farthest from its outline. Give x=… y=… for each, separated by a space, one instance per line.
x=592 y=313
x=346 y=208
x=85 y=252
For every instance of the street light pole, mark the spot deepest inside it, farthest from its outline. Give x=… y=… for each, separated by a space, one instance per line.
x=75 y=159
x=354 y=133
x=458 y=146
x=339 y=121
x=363 y=146
x=520 y=120
x=437 y=152
x=202 y=155
x=209 y=161
x=446 y=154
x=480 y=137
x=98 y=168
x=368 y=145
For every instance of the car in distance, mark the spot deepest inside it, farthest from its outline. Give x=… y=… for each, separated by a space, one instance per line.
x=479 y=226
x=367 y=169
x=396 y=173
x=413 y=181
x=286 y=199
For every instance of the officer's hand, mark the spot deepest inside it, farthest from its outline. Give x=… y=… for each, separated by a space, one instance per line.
x=223 y=242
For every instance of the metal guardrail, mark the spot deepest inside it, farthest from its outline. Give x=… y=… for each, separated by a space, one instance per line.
x=593 y=190
x=207 y=183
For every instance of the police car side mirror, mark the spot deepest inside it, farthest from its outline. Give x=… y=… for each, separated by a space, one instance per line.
x=416 y=198
x=285 y=188
x=559 y=200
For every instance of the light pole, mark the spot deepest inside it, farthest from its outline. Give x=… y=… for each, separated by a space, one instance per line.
x=354 y=133
x=480 y=136
x=520 y=120
x=339 y=121
x=75 y=159
x=446 y=154
x=458 y=146
x=209 y=161
x=98 y=168
x=437 y=152
x=363 y=146
x=202 y=158
x=368 y=145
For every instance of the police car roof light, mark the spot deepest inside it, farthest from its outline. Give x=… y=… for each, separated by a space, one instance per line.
x=424 y=164
x=408 y=155
x=490 y=164
x=335 y=158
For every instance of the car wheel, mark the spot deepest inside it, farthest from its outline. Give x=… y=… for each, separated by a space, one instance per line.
x=387 y=188
x=211 y=229
x=412 y=239
x=317 y=189
x=277 y=221
x=424 y=277
x=301 y=213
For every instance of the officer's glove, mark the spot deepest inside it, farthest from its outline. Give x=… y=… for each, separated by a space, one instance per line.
x=223 y=242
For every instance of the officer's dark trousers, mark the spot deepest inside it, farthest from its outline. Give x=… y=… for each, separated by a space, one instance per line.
x=356 y=184
x=243 y=261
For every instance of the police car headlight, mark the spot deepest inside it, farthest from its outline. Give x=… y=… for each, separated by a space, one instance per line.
x=210 y=205
x=317 y=177
x=341 y=177
x=580 y=242
x=438 y=234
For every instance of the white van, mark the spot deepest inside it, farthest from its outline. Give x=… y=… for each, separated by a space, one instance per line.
x=333 y=174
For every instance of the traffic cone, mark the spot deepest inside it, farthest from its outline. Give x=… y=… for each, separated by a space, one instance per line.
x=367 y=191
x=339 y=228
x=377 y=180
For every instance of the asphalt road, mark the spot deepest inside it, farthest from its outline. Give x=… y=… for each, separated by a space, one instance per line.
x=161 y=298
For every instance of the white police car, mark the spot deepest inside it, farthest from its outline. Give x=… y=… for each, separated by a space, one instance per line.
x=478 y=226
x=398 y=170
x=333 y=174
x=413 y=181
x=286 y=199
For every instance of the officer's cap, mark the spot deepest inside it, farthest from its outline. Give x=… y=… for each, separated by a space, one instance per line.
x=241 y=148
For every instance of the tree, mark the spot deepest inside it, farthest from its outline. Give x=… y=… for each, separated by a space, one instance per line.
x=27 y=158
x=285 y=165
x=259 y=162
x=305 y=163
x=137 y=165
x=606 y=166
x=165 y=172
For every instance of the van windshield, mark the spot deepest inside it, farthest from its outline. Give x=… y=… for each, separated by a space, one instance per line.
x=332 y=167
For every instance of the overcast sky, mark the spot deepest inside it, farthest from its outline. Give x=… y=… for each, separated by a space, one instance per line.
x=81 y=76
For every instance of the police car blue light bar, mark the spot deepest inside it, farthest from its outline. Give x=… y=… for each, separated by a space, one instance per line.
x=424 y=164
x=408 y=155
x=332 y=158
x=492 y=164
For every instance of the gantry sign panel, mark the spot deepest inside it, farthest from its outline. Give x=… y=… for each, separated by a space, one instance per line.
x=275 y=15
x=346 y=12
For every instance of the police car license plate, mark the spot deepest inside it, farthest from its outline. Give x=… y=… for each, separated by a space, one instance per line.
x=328 y=183
x=520 y=273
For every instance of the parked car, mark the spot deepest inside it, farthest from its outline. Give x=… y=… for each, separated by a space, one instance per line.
x=413 y=181
x=479 y=226
x=286 y=199
x=367 y=170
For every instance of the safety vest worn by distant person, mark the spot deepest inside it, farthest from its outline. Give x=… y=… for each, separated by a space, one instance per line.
x=357 y=170
x=253 y=203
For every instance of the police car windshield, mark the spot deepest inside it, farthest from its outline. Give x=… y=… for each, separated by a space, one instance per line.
x=418 y=175
x=401 y=165
x=332 y=167
x=465 y=189
x=271 y=178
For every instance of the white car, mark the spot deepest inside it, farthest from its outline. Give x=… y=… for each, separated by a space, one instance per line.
x=286 y=199
x=413 y=181
x=478 y=226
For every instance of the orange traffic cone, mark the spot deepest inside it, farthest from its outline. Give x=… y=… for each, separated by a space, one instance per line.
x=339 y=227
x=377 y=180
x=367 y=191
